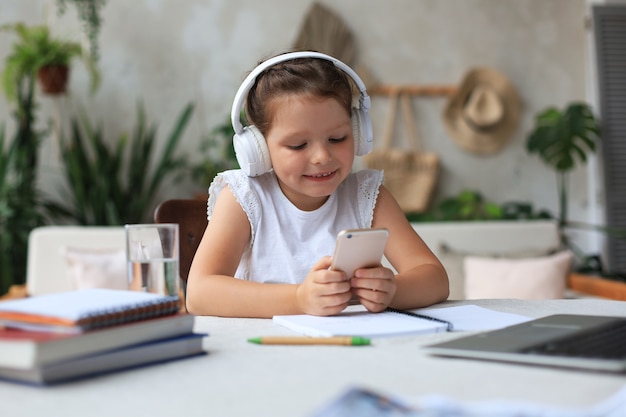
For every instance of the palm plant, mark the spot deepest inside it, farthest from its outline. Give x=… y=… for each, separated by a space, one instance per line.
x=115 y=186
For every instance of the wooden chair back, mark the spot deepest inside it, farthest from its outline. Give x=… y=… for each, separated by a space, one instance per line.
x=191 y=216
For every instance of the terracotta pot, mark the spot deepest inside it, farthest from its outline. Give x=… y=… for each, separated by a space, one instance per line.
x=53 y=78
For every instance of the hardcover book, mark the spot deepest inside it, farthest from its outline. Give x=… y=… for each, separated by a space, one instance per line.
x=129 y=357
x=23 y=349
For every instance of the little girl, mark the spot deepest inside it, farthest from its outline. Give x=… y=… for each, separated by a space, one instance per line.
x=273 y=223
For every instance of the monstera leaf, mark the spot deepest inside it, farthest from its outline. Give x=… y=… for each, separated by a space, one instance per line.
x=563 y=137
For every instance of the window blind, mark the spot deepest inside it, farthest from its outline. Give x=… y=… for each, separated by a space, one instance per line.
x=610 y=39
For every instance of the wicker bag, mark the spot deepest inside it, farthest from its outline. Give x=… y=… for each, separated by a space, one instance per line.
x=410 y=174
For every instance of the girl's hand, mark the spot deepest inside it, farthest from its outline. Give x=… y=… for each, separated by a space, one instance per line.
x=375 y=287
x=323 y=292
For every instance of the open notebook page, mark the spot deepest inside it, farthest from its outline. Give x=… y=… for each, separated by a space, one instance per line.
x=356 y=321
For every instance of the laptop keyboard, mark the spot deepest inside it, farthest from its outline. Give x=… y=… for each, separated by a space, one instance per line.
x=603 y=343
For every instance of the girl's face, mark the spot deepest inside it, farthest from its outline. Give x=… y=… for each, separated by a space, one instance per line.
x=311 y=146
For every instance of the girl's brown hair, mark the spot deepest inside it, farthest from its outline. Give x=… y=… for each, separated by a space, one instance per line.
x=311 y=77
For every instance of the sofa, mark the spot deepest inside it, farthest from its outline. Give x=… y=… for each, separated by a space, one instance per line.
x=62 y=257
x=499 y=259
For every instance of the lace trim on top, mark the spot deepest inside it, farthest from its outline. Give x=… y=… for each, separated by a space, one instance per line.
x=239 y=185
x=369 y=181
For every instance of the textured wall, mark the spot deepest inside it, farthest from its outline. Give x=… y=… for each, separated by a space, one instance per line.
x=168 y=53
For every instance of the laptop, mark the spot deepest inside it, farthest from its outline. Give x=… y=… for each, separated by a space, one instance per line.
x=564 y=340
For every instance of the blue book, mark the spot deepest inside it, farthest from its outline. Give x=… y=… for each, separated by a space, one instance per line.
x=129 y=357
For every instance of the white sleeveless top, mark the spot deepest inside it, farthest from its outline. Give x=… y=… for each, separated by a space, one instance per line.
x=286 y=241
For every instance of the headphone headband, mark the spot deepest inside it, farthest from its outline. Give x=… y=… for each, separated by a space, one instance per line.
x=248 y=82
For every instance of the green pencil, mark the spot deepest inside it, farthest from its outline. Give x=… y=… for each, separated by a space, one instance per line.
x=288 y=340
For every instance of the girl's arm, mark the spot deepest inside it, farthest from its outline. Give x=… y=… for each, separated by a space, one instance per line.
x=213 y=290
x=211 y=287
x=421 y=279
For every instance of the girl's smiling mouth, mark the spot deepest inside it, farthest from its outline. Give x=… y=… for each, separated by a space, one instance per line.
x=321 y=176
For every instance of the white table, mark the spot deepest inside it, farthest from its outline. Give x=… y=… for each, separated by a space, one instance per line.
x=238 y=378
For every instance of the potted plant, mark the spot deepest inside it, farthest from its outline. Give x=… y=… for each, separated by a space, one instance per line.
x=562 y=139
x=111 y=186
x=471 y=206
x=20 y=202
x=21 y=206
x=37 y=52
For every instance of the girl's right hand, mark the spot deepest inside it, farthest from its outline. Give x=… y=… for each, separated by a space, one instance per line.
x=323 y=292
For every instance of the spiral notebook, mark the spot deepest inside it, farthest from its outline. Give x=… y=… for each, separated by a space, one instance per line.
x=83 y=310
x=356 y=321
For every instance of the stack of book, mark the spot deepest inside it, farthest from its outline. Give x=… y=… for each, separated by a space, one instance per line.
x=66 y=336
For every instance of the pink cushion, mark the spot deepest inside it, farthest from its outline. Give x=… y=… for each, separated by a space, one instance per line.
x=531 y=278
x=96 y=268
x=453 y=260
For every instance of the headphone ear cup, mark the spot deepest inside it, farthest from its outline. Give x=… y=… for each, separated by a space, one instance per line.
x=251 y=152
x=356 y=131
x=362 y=132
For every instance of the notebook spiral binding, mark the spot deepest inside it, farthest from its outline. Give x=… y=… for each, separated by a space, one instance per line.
x=449 y=325
x=140 y=311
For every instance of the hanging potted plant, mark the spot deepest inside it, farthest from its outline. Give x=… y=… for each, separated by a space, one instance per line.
x=38 y=53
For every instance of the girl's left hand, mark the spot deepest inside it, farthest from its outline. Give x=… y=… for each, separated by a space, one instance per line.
x=374 y=287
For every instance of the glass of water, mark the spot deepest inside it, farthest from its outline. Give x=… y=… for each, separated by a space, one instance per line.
x=152 y=257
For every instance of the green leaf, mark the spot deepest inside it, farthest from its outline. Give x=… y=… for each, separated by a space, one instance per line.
x=111 y=182
x=35 y=49
x=561 y=138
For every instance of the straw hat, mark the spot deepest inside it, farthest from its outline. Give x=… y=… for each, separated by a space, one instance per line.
x=484 y=111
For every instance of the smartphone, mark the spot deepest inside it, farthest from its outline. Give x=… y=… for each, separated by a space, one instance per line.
x=359 y=248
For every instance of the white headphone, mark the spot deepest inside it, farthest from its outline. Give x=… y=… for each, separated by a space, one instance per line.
x=250 y=146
